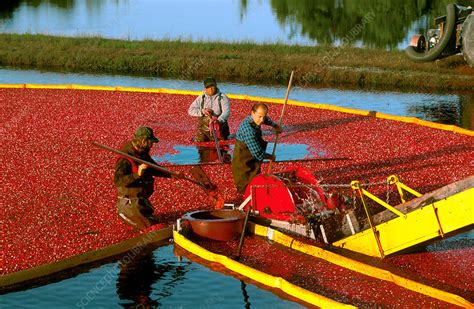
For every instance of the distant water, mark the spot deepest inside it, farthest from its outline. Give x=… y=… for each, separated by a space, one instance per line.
x=304 y=22
x=457 y=109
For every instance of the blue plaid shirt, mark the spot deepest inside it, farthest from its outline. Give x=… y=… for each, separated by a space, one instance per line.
x=251 y=134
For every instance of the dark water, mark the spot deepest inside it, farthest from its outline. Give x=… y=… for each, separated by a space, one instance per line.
x=148 y=280
x=159 y=279
x=386 y=24
x=447 y=108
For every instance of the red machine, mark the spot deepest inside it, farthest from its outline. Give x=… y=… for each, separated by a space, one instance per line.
x=280 y=195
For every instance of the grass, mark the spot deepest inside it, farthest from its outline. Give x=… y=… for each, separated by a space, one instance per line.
x=236 y=62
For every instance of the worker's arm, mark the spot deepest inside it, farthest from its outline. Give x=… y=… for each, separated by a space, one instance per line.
x=123 y=173
x=195 y=107
x=225 y=109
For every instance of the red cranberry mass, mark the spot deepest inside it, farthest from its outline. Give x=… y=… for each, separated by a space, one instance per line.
x=58 y=197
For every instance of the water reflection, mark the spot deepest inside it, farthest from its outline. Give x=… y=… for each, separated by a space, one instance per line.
x=467 y=112
x=137 y=277
x=329 y=21
x=7 y=8
x=11 y=5
x=307 y=22
x=245 y=295
x=62 y=4
x=462 y=111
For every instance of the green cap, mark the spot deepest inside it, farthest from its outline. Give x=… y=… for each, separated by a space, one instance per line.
x=210 y=81
x=146 y=132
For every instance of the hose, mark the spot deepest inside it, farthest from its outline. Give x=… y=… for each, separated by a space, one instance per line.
x=439 y=48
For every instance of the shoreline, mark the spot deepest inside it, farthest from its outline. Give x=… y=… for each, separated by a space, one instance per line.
x=236 y=62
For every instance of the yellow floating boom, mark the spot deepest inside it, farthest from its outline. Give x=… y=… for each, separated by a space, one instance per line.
x=357 y=266
x=258 y=276
x=305 y=295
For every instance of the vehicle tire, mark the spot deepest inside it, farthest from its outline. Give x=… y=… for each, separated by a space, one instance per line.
x=438 y=49
x=467 y=35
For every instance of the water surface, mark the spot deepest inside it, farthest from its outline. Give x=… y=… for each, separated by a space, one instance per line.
x=154 y=279
x=447 y=108
x=208 y=154
x=371 y=23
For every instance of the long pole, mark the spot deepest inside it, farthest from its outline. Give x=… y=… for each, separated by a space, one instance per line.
x=242 y=235
x=279 y=161
x=157 y=167
x=280 y=122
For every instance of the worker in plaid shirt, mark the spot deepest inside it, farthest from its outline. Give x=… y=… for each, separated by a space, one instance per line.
x=250 y=147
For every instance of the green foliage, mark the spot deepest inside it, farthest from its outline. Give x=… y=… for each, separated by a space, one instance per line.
x=241 y=62
x=229 y=56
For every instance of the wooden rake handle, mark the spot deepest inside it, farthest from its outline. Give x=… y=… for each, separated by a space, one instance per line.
x=280 y=122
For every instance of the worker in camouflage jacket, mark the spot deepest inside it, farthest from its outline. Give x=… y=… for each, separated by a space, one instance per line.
x=135 y=182
x=250 y=147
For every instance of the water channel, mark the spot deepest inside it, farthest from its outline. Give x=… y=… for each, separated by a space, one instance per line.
x=447 y=108
x=153 y=279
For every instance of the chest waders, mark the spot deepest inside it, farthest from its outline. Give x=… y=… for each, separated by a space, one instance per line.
x=204 y=134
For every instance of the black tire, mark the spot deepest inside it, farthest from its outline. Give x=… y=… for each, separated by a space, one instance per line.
x=439 y=48
x=467 y=36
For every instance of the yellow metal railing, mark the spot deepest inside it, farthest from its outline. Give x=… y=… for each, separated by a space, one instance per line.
x=401 y=187
x=362 y=268
x=430 y=219
x=355 y=185
x=392 y=179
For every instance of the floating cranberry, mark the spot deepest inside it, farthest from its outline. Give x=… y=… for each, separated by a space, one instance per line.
x=58 y=198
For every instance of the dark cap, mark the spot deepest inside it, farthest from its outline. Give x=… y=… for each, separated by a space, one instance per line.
x=210 y=81
x=146 y=132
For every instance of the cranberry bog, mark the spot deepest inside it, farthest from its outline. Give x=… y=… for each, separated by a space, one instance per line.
x=58 y=197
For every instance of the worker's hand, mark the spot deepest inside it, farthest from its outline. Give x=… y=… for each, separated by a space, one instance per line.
x=141 y=169
x=207 y=112
x=214 y=119
x=178 y=175
x=270 y=157
x=278 y=129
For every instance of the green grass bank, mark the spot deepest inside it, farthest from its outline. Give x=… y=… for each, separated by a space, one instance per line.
x=236 y=62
